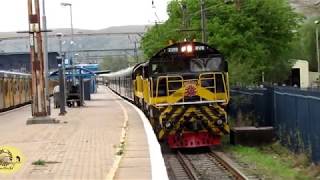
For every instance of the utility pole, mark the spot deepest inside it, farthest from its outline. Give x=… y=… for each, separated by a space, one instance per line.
x=184 y=19
x=136 y=51
x=45 y=55
x=238 y=4
x=317 y=42
x=203 y=22
x=39 y=109
x=62 y=99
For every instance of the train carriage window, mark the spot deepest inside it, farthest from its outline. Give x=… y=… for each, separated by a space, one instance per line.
x=18 y=86
x=13 y=86
x=6 y=89
x=1 y=84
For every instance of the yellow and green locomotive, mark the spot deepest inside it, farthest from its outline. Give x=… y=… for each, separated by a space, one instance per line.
x=183 y=90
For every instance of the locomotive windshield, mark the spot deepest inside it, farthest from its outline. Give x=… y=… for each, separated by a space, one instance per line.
x=188 y=65
x=206 y=64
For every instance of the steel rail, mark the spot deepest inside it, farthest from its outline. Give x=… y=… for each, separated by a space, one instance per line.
x=229 y=167
x=187 y=166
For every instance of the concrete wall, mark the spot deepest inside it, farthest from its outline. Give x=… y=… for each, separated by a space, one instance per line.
x=313 y=76
x=20 y=62
x=304 y=72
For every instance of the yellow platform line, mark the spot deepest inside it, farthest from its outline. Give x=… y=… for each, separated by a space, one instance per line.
x=116 y=163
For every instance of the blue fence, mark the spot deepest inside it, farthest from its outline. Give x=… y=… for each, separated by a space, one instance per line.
x=293 y=112
x=252 y=102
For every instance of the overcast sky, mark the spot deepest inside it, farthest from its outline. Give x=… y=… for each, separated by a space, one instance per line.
x=87 y=14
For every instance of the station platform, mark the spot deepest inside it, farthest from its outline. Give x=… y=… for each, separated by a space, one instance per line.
x=86 y=144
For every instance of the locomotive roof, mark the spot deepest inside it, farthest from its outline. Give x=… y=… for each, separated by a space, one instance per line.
x=174 y=49
x=123 y=72
x=177 y=49
x=10 y=73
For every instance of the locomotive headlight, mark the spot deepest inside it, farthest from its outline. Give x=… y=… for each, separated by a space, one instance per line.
x=168 y=124
x=183 y=49
x=189 y=49
x=219 y=122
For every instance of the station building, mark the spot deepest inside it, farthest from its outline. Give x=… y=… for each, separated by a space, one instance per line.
x=20 y=62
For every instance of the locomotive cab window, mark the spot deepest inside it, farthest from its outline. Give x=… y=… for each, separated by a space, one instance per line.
x=145 y=72
x=187 y=65
x=206 y=64
x=157 y=68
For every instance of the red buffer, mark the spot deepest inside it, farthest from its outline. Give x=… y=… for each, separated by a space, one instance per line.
x=193 y=139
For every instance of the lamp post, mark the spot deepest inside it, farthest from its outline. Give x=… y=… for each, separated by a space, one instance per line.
x=317 y=42
x=62 y=97
x=70 y=6
x=45 y=56
x=71 y=60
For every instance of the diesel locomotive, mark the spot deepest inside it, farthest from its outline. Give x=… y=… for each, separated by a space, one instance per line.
x=183 y=89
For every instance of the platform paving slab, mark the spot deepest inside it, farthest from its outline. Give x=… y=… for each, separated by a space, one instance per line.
x=82 y=145
x=135 y=164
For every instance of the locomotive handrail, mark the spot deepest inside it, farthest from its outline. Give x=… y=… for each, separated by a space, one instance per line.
x=225 y=89
x=167 y=83
x=201 y=78
x=170 y=81
x=214 y=83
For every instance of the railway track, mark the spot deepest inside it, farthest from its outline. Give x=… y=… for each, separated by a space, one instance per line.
x=201 y=166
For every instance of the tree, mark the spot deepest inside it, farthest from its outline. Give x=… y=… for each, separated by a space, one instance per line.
x=306 y=46
x=257 y=37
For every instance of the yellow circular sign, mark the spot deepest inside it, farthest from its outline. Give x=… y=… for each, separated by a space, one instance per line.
x=11 y=159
